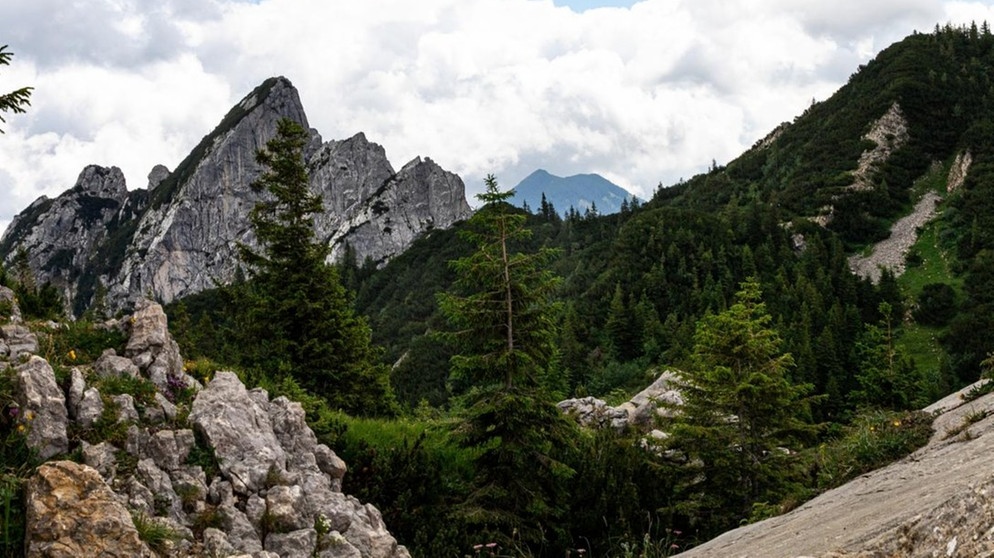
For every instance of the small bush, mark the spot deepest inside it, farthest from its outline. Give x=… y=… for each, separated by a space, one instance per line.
x=202 y=455
x=12 y=513
x=80 y=342
x=874 y=439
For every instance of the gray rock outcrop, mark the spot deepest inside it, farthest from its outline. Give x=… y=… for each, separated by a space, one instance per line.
x=939 y=501
x=181 y=235
x=244 y=471
x=42 y=408
x=63 y=235
x=639 y=412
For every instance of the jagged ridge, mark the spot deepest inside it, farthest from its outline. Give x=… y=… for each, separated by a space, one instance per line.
x=180 y=235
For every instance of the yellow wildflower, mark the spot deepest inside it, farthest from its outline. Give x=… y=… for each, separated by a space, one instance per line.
x=897 y=423
x=72 y=354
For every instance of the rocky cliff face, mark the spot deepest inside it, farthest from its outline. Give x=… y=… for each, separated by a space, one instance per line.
x=180 y=235
x=216 y=468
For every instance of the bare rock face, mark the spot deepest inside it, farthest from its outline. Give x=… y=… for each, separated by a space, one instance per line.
x=638 y=412
x=939 y=501
x=238 y=429
x=71 y=512
x=181 y=235
x=153 y=350
x=270 y=458
x=62 y=235
x=43 y=408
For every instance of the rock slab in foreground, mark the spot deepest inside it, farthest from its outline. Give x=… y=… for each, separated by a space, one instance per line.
x=71 y=512
x=939 y=501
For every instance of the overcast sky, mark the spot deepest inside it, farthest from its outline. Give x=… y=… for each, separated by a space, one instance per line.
x=641 y=92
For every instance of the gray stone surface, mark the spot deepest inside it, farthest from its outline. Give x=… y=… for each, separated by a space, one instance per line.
x=187 y=234
x=916 y=507
x=43 y=407
x=640 y=412
x=238 y=429
x=109 y=364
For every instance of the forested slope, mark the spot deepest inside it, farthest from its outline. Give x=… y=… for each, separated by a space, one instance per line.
x=641 y=291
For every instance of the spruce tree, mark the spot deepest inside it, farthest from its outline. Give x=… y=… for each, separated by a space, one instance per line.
x=298 y=318
x=16 y=100
x=739 y=410
x=503 y=322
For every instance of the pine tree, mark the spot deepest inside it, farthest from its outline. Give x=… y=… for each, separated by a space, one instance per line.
x=16 y=100
x=503 y=321
x=739 y=409
x=298 y=316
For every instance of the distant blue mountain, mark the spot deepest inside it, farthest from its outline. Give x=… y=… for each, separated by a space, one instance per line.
x=581 y=191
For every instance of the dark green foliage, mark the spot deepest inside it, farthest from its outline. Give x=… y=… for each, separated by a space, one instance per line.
x=296 y=315
x=202 y=455
x=502 y=316
x=739 y=409
x=886 y=377
x=874 y=439
x=520 y=492
x=622 y=492
x=80 y=342
x=418 y=483
x=16 y=100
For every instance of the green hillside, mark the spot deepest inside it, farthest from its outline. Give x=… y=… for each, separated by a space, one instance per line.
x=640 y=289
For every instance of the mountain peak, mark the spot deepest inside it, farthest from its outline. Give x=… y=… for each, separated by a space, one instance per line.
x=579 y=191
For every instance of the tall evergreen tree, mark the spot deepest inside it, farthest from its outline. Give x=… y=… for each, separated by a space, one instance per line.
x=739 y=409
x=298 y=317
x=503 y=321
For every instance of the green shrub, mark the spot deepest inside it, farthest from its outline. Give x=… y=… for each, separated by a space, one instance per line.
x=12 y=513
x=80 y=342
x=202 y=455
x=874 y=439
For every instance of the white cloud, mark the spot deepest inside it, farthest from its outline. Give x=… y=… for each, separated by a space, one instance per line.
x=643 y=95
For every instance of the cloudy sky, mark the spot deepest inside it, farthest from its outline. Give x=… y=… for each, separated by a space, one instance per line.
x=641 y=92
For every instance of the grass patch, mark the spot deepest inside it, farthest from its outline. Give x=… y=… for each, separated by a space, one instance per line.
x=874 y=439
x=929 y=262
x=921 y=344
x=158 y=536
x=79 y=342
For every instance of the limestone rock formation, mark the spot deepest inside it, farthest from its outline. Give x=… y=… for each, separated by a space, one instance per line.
x=42 y=407
x=63 y=235
x=939 y=501
x=181 y=234
x=244 y=471
x=638 y=412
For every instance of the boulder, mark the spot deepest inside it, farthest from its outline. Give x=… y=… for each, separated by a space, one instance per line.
x=43 y=407
x=19 y=340
x=71 y=512
x=8 y=300
x=152 y=349
x=239 y=430
x=111 y=365
x=640 y=412
x=102 y=457
x=295 y=543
